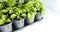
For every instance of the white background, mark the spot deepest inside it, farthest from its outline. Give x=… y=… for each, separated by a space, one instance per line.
x=50 y=22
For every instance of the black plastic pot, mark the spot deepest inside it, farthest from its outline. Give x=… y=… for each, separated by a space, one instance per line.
x=18 y=23
x=38 y=16
x=6 y=28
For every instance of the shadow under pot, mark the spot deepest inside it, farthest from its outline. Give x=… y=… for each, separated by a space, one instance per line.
x=38 y=16
x=6 y=28
x=28 y=21
x=18 y=24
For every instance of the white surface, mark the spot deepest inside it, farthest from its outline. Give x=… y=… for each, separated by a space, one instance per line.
x=53 y=4
x=50 y=23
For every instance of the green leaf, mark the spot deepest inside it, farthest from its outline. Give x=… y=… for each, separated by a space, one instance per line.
x=8 y=8
x=11 y=11
x=4 y=16
x=38 y=5
x=8 y=20
x=1 y=22
x=21 y=1
x=1 y=0
x=19 y=5
x=23 y=15
x=35 y=1
x=1 y=5
x=27 y=9
x=18 y=17
x=13 y=16
x=11 y=2
x=42 y=5
x=24 y=10
x=31 y=15
x=29 y=4
x=43 y=12
x=4 y=0
x=4 y=11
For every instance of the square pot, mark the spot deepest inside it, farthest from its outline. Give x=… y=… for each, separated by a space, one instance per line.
x=28 y=21
x=6 y=28
x=38 y=16
x=18 y=24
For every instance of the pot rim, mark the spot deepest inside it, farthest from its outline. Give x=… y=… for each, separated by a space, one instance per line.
x=6 y=24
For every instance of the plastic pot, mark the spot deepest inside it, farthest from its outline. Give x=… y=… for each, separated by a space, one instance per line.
x=28 y=21
x=6 y=28
x=38 y=16
x=18 y=23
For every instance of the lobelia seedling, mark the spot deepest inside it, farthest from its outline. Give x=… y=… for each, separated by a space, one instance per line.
x=20 y=13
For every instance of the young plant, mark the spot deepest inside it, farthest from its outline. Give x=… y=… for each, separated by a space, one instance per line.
x=31 y=15
x=11 y=3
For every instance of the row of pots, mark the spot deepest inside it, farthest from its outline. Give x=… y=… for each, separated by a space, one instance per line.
x=17 y=24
